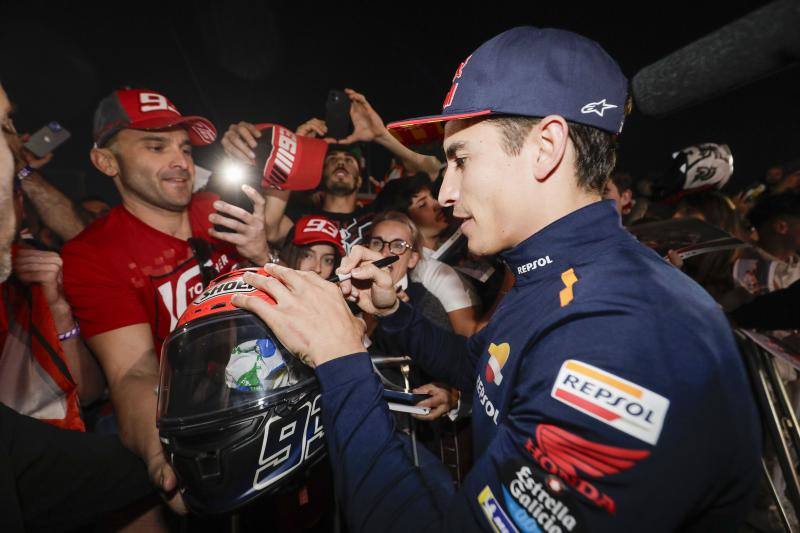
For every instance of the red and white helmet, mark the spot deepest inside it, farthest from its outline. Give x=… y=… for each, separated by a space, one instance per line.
x=239 y=416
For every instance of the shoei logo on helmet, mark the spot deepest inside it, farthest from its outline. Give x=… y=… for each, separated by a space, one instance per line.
x=230 y=287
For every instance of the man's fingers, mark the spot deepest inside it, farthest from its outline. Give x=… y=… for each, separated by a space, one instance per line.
x=257 y=199
x=288 y=276
x=268 y=284
x=357 y=255
x=249 y=133
x=236 y=239
x=232 y=210
x=368 y=271
x=228 y=222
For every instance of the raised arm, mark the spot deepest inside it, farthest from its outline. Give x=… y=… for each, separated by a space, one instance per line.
x=368 y=126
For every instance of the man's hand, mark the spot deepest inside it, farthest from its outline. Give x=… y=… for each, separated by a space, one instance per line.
x=240 y=140
x=250 y=237
x=310 y=317
x=442 y=400
x=370 y=287
x=45 y=268
x=163 y=477
x=367 y=124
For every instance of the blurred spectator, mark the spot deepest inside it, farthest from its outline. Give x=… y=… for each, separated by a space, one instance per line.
x=776 y=219
x=52 y=479
x=342 y=172
x=790 y=178
x=314 y=245
x=714 y=271
x=619 y=188
x=132 y=272
x=413 y=195
x=94 y=207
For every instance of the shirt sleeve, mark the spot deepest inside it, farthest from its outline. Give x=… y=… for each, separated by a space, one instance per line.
x=100 y=300
x=555 y=463
x=444 y=355
x=443 y=281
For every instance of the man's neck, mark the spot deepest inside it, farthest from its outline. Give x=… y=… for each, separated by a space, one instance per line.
x=339 y=204
x=174 y=223
x=558 y=208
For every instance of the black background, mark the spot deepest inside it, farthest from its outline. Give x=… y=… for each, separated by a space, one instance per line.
x=269 y=61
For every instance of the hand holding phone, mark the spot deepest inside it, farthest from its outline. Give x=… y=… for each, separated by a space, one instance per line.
x=47 y=139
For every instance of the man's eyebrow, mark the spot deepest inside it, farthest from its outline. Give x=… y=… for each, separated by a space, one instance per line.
x=453 y=148
x=159 y=138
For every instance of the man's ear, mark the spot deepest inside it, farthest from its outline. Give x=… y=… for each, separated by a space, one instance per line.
x=105 y=161
x=553 y=136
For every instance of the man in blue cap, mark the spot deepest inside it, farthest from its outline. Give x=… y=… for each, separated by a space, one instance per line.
x=607 y=390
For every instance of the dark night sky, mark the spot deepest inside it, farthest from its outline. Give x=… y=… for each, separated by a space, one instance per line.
x=248 y=60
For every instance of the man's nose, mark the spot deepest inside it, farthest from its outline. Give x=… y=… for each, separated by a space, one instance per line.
x=450 y=189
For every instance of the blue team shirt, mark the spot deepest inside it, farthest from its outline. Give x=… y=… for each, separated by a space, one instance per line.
x=608 y=395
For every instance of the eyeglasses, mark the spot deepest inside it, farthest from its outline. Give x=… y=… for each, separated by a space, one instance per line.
x=396 y=247
x=202 y=253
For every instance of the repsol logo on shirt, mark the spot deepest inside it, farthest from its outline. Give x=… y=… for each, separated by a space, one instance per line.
x=533 y=265
x=230 y=287
x=621 y=404
x=487 y=405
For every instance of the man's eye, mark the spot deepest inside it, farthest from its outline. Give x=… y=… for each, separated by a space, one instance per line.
x=460 y=162
x=155 y=148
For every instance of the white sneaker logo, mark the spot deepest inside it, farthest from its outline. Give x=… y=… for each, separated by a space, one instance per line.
x=592 y=107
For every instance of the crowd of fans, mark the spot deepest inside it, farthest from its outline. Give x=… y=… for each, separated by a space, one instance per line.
x=92 y=290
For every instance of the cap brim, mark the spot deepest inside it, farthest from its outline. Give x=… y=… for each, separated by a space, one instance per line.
x=424 y=130
x=201 y=131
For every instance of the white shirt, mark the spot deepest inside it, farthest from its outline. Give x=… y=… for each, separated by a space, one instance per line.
x=443 y=281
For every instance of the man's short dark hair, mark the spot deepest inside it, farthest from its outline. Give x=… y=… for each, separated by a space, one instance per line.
x=772 y=207
x=397 y=194
x=595 y=150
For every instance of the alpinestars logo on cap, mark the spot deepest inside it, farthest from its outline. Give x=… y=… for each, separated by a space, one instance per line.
x=498 y=355
x=592 y=107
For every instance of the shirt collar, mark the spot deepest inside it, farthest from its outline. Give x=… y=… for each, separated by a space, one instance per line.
x=558 y=245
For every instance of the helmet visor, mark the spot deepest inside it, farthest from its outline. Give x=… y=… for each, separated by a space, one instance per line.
x=230 y=362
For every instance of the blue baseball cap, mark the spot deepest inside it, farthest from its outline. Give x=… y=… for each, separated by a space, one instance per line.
x=532 y=72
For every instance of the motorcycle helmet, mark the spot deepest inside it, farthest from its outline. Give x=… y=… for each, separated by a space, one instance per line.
x=238 y=415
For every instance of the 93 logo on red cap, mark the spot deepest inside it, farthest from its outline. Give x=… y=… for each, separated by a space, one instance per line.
x=155 y=102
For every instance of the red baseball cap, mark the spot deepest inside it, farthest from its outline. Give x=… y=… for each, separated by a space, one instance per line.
x=290 y=162
x=316 y=229
x=143 y=109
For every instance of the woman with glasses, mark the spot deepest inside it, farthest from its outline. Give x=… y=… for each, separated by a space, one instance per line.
x=394 y=233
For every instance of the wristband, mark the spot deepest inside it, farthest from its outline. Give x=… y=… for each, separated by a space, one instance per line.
x=24 y=172
x=74 y=332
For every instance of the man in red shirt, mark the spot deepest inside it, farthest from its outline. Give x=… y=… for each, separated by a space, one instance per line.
x=131 y=274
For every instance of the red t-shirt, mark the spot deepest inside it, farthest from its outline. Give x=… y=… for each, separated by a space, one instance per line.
x=119 y=271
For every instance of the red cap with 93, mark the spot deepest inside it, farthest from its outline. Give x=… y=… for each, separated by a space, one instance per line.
x=317 y=229
x=143 y=109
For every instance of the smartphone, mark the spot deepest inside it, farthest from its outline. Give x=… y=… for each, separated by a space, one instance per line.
x=337 y=114
x=230 y=191
x=47 y=139
x=408 y=398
